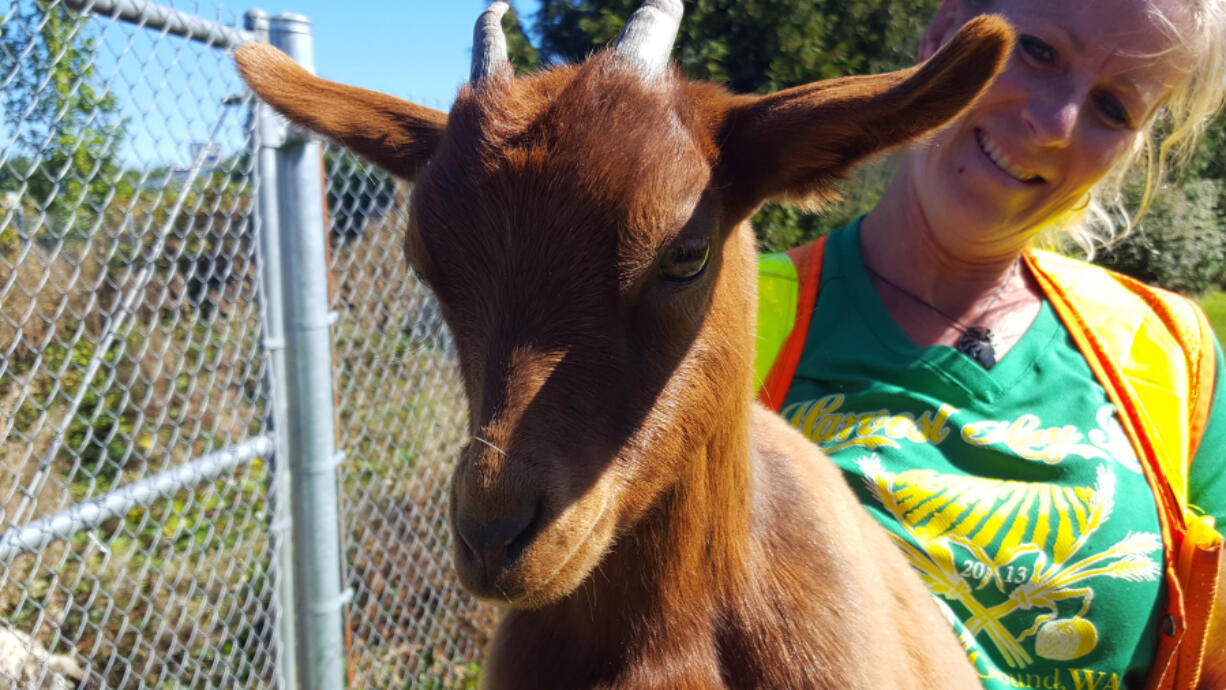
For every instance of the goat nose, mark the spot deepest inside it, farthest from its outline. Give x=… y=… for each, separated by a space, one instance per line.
x=496 y=544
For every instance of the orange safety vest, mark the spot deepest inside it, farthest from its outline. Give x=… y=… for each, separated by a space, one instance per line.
x=1153 y=352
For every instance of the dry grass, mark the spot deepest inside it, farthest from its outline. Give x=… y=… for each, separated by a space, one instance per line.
x=176 y=590
x=49 y=297
x=50 y=302
x=181 y=592
x=401 y=421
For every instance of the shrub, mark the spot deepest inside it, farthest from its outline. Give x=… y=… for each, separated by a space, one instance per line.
x=1179 y=244
x=780 y=227
x=358 y=192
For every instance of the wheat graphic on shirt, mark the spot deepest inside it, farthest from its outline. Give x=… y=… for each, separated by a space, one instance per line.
x=999 y=521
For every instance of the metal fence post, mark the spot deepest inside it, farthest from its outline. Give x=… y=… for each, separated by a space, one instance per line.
x=267 y=135
x=312 y=438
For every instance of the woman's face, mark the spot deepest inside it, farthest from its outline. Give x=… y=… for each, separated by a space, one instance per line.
x=1081 y=84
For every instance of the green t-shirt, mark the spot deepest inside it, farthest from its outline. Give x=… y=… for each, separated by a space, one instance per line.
x=1013 y=491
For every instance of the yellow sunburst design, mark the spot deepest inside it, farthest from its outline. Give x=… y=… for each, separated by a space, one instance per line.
x=1053 y=522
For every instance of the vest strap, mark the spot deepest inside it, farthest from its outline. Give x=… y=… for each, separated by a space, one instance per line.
x=778 y=295
x=1192 y=329
x=1193 y=551
x=808 y=262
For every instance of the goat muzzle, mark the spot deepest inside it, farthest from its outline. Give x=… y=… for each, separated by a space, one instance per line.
x=494 y=517
x=487 y=548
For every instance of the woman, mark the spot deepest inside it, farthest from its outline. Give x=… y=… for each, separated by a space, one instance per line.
x=1022 y=423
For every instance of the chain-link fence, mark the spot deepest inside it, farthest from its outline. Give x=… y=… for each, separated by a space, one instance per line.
x=395 y=376
x=173 y=280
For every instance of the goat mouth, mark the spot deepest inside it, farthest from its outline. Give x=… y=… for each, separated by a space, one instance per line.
x=546 y=590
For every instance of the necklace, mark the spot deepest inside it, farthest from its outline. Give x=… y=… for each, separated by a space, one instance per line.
x=977 y=342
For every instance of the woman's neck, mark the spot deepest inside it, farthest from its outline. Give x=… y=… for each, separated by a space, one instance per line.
x=924 y=275
x=901 y=242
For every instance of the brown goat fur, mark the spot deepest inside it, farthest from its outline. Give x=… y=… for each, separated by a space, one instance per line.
x=646 y=522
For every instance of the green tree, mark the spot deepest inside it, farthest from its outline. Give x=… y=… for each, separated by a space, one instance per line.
x=760 y=46
x=1209 y=160
x=520 y=51
x=66 y=124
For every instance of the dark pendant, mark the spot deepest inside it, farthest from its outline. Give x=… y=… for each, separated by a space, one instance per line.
x=979 y=344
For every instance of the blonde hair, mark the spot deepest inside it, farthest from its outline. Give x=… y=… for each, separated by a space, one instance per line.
x=1168 y=140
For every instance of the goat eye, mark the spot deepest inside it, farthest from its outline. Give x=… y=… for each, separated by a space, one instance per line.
x=685 y=259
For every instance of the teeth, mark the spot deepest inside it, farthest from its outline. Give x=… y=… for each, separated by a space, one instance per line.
x=1002 y=160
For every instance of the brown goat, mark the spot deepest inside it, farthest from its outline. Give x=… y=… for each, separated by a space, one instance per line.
x=585 y=230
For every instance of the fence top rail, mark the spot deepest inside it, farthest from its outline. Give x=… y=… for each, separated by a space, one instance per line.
x=151 y=15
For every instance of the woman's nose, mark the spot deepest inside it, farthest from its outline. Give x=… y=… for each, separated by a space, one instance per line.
x=1053 y=120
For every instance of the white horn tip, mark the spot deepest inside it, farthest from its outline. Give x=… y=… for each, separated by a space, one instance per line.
x=647 y=41
x=497 y=9
x=672 y=8
x=489 y=42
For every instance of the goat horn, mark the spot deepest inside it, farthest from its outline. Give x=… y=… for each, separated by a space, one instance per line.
x=489 y=43
x=648 y=38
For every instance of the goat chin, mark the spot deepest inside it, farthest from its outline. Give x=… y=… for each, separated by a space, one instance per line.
x=550 y=568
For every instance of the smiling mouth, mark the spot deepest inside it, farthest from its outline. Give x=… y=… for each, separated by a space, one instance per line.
x=1003 y=161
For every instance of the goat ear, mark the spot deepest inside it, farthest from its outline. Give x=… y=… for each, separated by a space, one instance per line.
x=396 y=135
x=794 y=143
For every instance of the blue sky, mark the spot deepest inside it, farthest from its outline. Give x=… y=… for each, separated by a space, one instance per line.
x=170 y=91
x=415 y=49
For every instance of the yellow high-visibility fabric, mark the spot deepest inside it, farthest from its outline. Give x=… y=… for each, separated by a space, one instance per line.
x=1149 y=357
x=778 y=295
